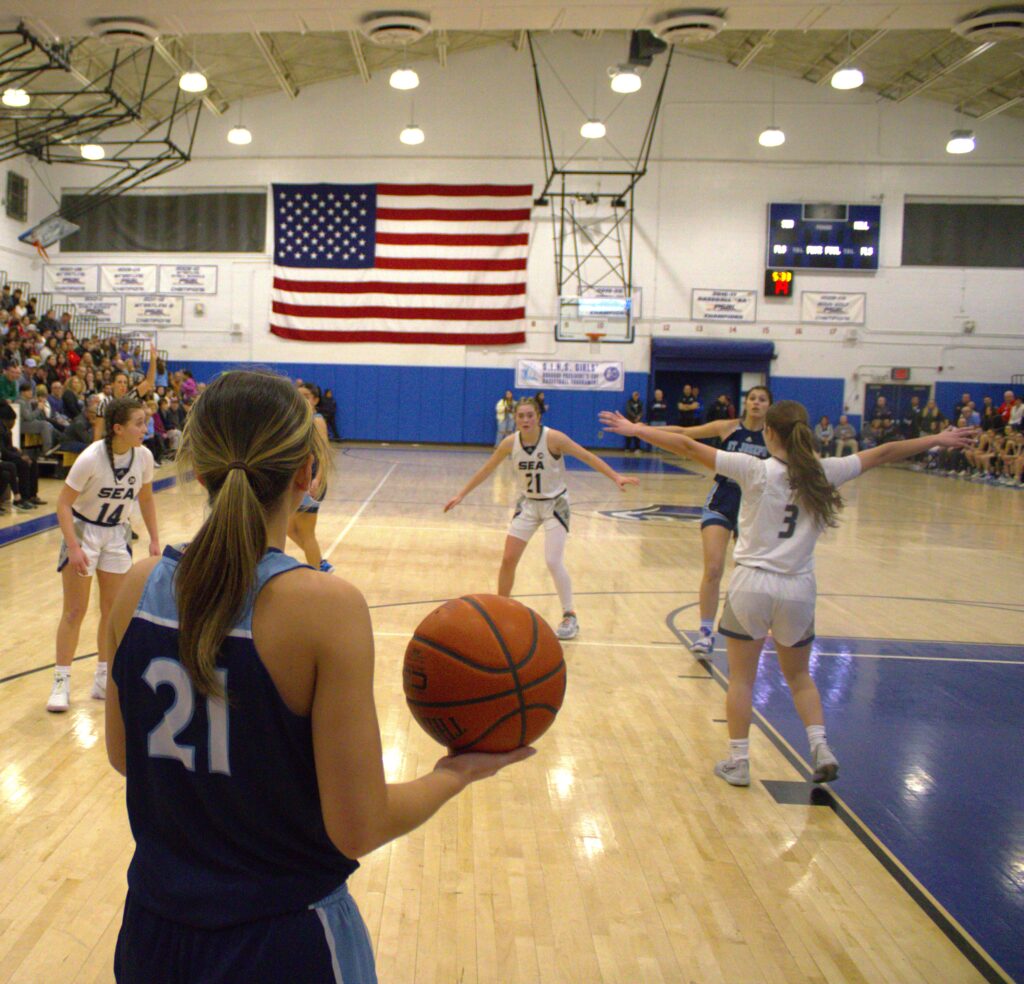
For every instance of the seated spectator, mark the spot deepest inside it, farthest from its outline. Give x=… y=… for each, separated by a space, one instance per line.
x=188 y=386
x=153 y=439
x=33 y=416
x=169 y=424
x=971 y=415
x=958 y=407
x=990 y=417
x=6 y=300
x=161 y=373
x=9 y=381
x=887 y=429
x=845 y=436
x=73 y=397
x=49 y=322
x=1017 y=414
x=84 y=429
x=56 y=417
x=824 y=436
x=26 y=488
x=720 y=409
x=1006 y=407
x=1013 y=458
x=929 y=416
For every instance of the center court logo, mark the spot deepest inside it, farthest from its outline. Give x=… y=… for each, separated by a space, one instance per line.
x=657 y=514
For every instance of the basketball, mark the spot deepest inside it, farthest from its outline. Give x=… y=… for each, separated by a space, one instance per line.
x=484 y=673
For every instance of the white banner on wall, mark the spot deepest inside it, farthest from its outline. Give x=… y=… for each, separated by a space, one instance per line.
x=107 y=309
x=820 y=308
x=188 y=278
x=723 y=305
x=156 y=310
x=128 y=278
x=569 y=374
x=71 y=278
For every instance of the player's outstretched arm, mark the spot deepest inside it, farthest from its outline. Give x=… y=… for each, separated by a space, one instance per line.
x=717 y=428
x=884 y=454
x=677 y=443
x=563 y=444
x=149 y=383
x=361 y=810
x=501 y=452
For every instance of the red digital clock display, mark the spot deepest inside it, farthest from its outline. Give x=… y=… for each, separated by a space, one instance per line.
x=778 y=283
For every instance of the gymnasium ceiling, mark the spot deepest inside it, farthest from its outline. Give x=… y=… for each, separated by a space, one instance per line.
x=258 y=47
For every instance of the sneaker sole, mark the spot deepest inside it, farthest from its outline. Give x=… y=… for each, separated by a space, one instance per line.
x=731 y=781
x=97 y=696
x=827 y=773
x=56 y=710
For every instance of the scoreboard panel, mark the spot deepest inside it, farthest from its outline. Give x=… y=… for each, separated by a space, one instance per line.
x=823 y=236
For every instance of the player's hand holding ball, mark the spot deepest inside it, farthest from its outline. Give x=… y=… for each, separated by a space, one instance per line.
x=468 y=767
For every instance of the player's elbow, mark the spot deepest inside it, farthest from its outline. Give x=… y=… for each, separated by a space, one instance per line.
x=355 y=840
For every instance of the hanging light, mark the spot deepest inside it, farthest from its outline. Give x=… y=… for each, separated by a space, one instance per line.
x=16 y=98
x=192 y=82
x=412 y=135
x=771 y=136
x=404 y=79
x=593 y=130
x=960 y=142
x=93 y=152
x=240 y=136
x=625 y=78
x=847 y=78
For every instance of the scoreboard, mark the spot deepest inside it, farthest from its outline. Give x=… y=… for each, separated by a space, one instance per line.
x=823 y=236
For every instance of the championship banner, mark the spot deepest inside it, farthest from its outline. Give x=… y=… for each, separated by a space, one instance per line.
x=154 y=310
x=127 y=278
x=818 y=308
x=70 y=278
x=107 y=309
x=723 y=305
x=188 y=278
x=569 y=375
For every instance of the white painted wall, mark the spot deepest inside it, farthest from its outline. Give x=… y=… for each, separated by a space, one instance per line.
x=19 y=261
x=701 y=210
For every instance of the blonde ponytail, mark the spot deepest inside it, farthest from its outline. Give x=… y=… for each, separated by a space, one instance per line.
x=789 y=420
x=246 y=437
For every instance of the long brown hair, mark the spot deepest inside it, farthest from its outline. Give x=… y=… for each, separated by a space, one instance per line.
x=246 y=436
x=789 y=421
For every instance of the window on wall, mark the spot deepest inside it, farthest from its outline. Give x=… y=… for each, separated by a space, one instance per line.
x=965 y=233
x=171 y=222
x=16 y=199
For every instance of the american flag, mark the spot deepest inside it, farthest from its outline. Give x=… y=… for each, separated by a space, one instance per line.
x=429 y=263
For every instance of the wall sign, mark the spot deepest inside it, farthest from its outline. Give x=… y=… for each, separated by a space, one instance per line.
x=569 y=374
x=71 y=278
x=128 y=278
x=820 y=308
x=188 y=278
x=156 y=310
x=107 y=309
x=723 y=305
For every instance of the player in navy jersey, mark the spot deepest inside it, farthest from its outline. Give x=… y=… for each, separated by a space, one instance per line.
x=93 y=510
x=722 y=507
x=240 y=708
x=789 y=500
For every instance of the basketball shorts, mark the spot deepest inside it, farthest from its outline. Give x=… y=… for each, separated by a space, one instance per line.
x=532 y=513
x=106 y=548
x=759 y=601
x=309 y=504
x=325 y=944
x=722 y=507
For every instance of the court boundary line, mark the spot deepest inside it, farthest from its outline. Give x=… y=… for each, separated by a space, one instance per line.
x=945 y=922
x=352 y=522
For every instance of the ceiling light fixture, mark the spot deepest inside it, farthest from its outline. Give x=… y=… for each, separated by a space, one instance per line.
x=593 y=130
x=404 y=79
x=192 y=82
x=93 y=152
x=847 y=78
x=412 y=135
x=960 y=142
x=771 y=136
x=16 y=98
x=240 y=136
x=625 y=78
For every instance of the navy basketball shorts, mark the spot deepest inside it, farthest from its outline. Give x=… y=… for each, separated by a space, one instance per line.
x=324 y=944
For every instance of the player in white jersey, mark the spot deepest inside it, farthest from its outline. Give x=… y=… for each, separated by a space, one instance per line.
x=788 y=502
x=94 y=508
x=537 y=454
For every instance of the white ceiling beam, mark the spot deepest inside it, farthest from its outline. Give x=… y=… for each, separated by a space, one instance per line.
x=853 y=55
x=943 y=72
x=208 y=97
x=765 y=41
x=442 y=48
x=357 y=50
x=998 y=109
x=275 y=64
x=520 y=41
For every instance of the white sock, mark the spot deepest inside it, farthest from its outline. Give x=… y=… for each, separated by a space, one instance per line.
x=101 y=669
x=816 y=735
x=707 y=626
x=739 y=748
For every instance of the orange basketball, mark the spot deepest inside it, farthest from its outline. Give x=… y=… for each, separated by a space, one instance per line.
x=485 y=674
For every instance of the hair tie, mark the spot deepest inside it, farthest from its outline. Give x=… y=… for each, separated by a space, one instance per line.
x=239 y=464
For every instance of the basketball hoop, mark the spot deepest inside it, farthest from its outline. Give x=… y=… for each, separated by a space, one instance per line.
x=595 y=339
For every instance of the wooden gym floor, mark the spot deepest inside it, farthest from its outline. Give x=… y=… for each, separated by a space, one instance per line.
x=614 y=855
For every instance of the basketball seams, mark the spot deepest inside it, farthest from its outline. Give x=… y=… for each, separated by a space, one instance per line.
x=513 y=669
x=533 y=642
x=458 y=657
x=483 y=700
x=497 y=724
